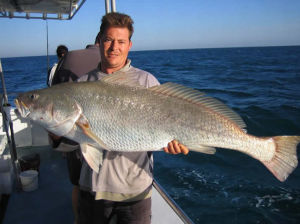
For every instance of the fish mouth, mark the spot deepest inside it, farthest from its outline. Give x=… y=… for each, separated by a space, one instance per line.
x=22 y=108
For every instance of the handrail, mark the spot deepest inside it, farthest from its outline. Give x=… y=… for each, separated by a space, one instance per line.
x=3 y=85
x=8 y=125
x=172 y=203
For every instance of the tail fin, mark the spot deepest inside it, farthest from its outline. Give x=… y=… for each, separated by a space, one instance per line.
x=285 y=159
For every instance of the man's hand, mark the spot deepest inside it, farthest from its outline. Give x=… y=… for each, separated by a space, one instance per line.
x=54 y=137
x=174 y=148
x=54 y=140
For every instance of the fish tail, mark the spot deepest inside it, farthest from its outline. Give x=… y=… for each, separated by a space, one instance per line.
x=285 y=159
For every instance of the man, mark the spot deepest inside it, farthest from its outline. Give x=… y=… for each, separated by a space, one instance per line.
x=61 y=51
x=122 y=188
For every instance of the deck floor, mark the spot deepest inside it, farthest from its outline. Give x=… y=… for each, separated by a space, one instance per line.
x=51 y=202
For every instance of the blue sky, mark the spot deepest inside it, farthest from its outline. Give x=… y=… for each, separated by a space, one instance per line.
x=164 y=24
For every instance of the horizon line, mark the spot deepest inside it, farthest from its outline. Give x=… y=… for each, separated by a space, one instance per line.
x=170 y=49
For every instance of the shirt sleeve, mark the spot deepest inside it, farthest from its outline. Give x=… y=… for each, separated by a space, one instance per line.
x=151 y=81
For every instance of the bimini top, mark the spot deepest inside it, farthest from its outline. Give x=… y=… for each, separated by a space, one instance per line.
x=40 y=9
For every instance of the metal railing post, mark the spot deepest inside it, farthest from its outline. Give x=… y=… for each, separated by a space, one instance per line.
x=107 y=6
x=110 y=6
x=3 y=85
x=113 y=6
x=8 y=125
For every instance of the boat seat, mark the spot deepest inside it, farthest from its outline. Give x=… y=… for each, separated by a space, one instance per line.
x=76 y=64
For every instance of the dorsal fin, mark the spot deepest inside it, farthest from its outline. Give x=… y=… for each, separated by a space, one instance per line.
x=199 y=98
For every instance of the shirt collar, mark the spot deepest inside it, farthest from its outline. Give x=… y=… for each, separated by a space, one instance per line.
x=124 y=69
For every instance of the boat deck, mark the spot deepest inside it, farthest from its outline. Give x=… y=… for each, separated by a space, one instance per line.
x=51 y=202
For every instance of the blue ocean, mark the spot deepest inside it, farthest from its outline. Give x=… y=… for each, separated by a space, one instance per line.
x=262 y=84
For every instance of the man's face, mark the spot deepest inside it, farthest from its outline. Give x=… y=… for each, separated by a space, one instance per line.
x=114 y=48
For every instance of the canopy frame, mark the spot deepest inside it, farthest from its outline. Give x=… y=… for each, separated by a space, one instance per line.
x=40 y=9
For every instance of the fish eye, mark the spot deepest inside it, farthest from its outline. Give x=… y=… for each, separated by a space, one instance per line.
x=34 y=96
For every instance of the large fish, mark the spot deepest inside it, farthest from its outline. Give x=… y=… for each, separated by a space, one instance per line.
x=111 y=115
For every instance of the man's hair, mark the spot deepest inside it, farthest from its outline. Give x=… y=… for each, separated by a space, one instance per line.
x=61 y=50
x=97 y=39
x=115 y=19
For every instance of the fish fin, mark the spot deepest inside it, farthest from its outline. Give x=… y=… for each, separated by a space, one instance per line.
x=93 y=156
x=122 y=79
x=202 y=149
x=198 y=98
x=285 y=159
x=83 y=123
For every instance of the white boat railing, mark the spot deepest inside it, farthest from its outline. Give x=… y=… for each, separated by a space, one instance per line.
x=180 y=213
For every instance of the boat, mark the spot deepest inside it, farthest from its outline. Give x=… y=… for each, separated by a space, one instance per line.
x=23 y=143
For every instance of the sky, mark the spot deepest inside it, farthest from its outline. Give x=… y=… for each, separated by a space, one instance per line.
x=163 y=24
